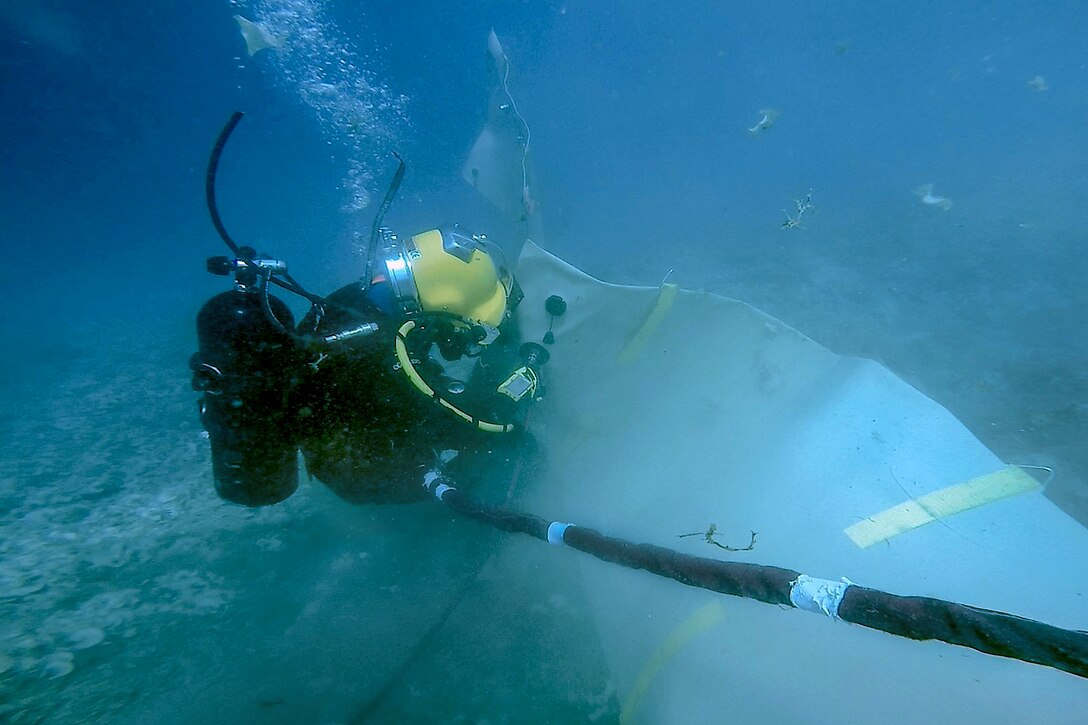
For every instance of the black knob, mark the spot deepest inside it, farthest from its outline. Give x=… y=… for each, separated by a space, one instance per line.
x=221 y=266
x=555 y=305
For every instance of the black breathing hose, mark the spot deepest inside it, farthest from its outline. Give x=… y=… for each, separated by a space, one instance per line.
x=288 y=283
x=209 y=180
x=375 y=228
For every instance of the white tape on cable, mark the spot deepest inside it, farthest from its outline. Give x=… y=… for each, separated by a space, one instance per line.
x=555 y=532
x=817 y=595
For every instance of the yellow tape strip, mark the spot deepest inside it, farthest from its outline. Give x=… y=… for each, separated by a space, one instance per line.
x=940 y=504
x=665 y=297
x=703 y=619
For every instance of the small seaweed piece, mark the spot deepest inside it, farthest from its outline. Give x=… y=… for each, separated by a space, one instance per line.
x=712 y=531
x=803 y=205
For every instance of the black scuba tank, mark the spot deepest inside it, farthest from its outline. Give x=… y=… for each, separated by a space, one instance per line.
x=246 y=369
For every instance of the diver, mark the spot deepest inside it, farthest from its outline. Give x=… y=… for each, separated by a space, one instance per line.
x=414 y=370
x=441 y=383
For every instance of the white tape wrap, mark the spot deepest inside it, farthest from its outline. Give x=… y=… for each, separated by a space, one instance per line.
x=441 y=489
x=817 y=595
x=555 y=532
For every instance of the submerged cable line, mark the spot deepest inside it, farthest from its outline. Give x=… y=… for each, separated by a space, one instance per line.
x=919 y=618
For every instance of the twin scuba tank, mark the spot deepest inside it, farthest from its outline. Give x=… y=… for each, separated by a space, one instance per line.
x=246 y=368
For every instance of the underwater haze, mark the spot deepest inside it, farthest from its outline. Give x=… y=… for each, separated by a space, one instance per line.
x=898 y=181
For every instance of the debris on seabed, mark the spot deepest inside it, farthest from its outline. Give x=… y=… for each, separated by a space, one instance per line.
x=925 y=193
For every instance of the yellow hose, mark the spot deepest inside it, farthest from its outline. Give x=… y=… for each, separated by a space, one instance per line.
x=421 y=385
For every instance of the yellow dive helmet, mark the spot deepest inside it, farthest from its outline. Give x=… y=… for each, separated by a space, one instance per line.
x=450 y=271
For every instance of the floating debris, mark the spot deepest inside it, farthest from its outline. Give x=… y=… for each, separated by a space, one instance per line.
x=925 y=193
x=712 y=531
x=803 y=205
x=257 y=36
x=1038 y=84
x=766 y=122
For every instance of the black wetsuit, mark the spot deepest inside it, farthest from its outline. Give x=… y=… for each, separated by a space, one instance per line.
x=371 y=436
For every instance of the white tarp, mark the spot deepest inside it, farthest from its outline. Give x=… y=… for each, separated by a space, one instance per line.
x=671 y=410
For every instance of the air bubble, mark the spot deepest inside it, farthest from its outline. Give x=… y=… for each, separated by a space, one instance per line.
x=352 y=106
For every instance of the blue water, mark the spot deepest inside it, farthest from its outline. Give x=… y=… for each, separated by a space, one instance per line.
x=642 y=163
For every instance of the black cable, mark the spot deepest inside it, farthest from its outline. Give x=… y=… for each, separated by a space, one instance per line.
x=291 y=286
x=918 y=618
x=268 y=312
x=209 y=180
x=375 y=228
